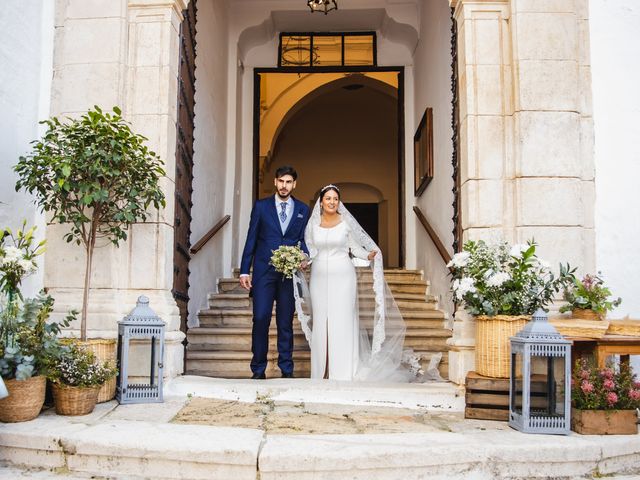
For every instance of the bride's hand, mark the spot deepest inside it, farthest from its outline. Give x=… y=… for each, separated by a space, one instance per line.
x=372 y=254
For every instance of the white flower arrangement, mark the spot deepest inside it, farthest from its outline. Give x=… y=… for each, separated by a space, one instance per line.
x=287 y=259
x=499 y=279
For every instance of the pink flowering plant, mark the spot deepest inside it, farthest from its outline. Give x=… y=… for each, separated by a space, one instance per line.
x=609 y=388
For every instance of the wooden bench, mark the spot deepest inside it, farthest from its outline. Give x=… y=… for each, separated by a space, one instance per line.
x=602 y=348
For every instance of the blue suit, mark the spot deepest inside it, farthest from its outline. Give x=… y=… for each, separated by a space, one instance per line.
x=264 y=236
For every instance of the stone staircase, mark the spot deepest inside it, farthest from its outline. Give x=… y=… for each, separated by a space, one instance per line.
x=221 y=345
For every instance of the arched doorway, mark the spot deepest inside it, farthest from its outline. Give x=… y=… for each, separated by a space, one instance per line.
x=341 y=128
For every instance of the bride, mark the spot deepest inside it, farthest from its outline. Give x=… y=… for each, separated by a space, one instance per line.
x=349 y=339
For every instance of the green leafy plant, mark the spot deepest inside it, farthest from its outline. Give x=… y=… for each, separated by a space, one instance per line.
x=499 y=279
x=95 y=175
x=609 y=388
x=33 y=343
x=78 y=367
x=589 y=293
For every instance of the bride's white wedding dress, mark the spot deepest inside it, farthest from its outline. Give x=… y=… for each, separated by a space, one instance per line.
x=334 y=343
x=354 y=345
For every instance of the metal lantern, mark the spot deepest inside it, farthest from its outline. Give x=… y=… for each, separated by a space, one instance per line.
x=540 y=387
x=141 y=324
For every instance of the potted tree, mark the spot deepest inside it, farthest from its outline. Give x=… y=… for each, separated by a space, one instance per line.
x=589 y=298
x=502 y=286
x=95 y=175
x=27 y=341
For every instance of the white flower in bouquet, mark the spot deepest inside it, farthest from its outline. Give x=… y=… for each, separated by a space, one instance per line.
x=287 y=259
x=497 y=279
x=518 y=249
x=463 y=286
x=459 y=260
x=11 y=254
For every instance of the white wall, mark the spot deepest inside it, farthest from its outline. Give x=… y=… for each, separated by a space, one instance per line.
x=432 y=86
x=615 y=67
x=26 y=51
x=210 y=149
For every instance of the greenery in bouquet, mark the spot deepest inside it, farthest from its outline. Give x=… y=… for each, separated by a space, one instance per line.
x=499 y=279
x=589 y=294
x=287 y=259
x=78 y=367
x=609 y=388
x=27 y=341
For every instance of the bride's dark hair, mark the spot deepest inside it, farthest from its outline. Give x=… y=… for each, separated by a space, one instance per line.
x=328 y=188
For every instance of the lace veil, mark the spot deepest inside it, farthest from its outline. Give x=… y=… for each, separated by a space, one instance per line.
x=381 y=327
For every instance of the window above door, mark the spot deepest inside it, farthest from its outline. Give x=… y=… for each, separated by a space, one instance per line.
x=327 y=49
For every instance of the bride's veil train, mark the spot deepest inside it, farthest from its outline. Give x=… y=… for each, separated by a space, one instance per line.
x=382 y=356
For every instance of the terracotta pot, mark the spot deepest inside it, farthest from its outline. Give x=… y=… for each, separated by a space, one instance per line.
x=604 y=422
x=74 y=400
x=25 y=399
x=585 y=314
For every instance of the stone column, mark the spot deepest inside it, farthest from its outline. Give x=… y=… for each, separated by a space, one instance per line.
x=526 y=140
x=553 y=161
x=485 y=108
x=119 y=52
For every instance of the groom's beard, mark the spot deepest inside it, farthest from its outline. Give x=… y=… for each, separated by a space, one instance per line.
x=284 y=195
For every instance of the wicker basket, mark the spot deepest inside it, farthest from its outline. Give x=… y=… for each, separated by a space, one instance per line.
x=105 y=351
x=585 y=314
x=25 y=399
x=493 y=348
x=74 y=400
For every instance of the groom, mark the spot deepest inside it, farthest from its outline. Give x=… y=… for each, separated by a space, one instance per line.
x=276 y=220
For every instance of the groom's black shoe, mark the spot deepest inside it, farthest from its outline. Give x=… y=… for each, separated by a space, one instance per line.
x=258 y=376
x=287 y=375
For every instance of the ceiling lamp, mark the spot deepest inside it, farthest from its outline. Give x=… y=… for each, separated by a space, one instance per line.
x=324 y=6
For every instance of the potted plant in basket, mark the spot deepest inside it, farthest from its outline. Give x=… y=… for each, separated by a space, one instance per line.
x=95 y=175
x=27 y=341
x=588 y=298
x=77 y=377
x=604 y=401
x=502 y=286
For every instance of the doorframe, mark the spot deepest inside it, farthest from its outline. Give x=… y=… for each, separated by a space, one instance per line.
x=401 y=131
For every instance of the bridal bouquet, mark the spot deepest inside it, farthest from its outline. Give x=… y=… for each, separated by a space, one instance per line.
x=287 y=259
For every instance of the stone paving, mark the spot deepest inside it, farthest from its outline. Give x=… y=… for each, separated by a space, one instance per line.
x=288 y=431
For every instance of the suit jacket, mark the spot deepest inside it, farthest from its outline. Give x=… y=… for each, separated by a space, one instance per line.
x=265 y=234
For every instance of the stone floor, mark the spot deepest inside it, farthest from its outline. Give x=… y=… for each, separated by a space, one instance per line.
x=297 y=430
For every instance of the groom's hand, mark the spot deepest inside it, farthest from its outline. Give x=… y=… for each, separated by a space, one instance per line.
x=245 y=282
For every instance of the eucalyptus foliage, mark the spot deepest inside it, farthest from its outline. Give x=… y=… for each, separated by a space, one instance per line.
x=95 y=175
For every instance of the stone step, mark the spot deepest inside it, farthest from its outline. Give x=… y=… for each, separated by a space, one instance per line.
x=390 y=274
x=217 y=317
x=404 y=301
x=235 y=364
x=232 y=285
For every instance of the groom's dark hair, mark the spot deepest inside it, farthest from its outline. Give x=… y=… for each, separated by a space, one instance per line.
x=286 y=170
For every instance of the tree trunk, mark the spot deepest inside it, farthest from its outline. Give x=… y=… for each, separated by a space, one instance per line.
x=87 y=280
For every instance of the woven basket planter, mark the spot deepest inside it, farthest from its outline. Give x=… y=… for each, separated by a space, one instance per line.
x=105 y=351
x=493 y=348
x=25 y=399
x=585 y=314
x=74 y=400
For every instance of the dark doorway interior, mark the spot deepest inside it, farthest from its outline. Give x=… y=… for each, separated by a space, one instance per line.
x=367 y=215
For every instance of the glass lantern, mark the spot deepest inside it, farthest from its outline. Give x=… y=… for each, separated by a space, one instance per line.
x=144 y=326
x=540 y=384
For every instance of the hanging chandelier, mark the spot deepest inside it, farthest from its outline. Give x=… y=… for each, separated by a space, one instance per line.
x=324 y=6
